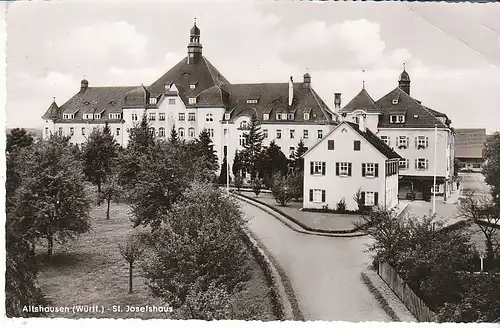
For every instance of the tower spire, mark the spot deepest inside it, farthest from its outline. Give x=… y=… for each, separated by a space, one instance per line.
x=363 y=78
x=194 y=46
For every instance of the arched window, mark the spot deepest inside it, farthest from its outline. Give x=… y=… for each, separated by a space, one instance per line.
x=181 y=132
x=191 y=132
x=152 y=131
x=161 y=132
x=210 y=117
x=243 y=125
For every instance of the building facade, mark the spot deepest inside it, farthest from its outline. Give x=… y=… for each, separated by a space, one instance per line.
x=193 y=96
x=409 y=128
x=469 y=147
x=348 y=160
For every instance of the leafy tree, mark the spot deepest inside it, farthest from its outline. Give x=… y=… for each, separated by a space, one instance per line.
x=280 y=189
x=238 y=182
x=51 y=200
x=174 y=137
x=295 y=183
x=492 y=163
x=256 y=186
x=131 y=251
x=17 y=139
x=98 y=154
x=198 y=246
x=140 y=138
x=223 y=172
x=298 y=161
x=273 y=161
x=237 y=164
x=252 y=147
x=111 y=191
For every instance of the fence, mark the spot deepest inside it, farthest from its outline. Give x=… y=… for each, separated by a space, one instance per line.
x=416 y=306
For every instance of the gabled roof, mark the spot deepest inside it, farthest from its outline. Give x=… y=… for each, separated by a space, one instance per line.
x=368 y=135
x=275 y=96
x=361 y=101
x=183 y=74
x=417 y=115
x=469 y=143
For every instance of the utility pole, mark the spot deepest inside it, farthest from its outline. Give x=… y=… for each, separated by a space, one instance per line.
x=227 y=159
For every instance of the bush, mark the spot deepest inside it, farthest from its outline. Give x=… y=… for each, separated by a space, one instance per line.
x=341 y=206
x=238 y=182
x=256 y=186
x=280 y=190
x=295 y=182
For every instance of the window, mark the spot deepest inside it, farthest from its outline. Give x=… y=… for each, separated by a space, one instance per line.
x=209 y=117
x=421 y=164
x=265 y=133
x=403 y=164
x=191 y=117
x=265 y=117
x=278 y=117
x=369 y=170
x=117 y=131
x=251 y=101
x=151 y=131
x=386 y=140
x=242 y=139
x=152 y=101
x=152 y=116
x=305 y=134
x=320 y=134
x=210 y=133
x=283 y=117
x=397 y=118
x=171 y=101
x=402 y=142
x=83 y=131
x=343 y=169
x=192 y=86
x=318 y=168
x=115 y=116
x=67 y=116
x=192 y=101
x=161 y=116
x=331 y=144
x=421 y=142
x=60 y=131
x=46 y=131
x=227 y=116
x=317 y=195
x=181 y=132
x=134 y=117
x=306 y=116
x=71 y=131
x=161 y=132
x=290 y=117
x=278 y=134
x=357 y=145
x=369 y=198
x=291 y=151
x=292 y=134
x=97 y=116
x=356 y=119
x=243 y=125
x=182 y=117
x=191 y=132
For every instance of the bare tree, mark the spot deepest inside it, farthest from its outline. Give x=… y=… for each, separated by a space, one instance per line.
x=131 y=251
x=483 y=211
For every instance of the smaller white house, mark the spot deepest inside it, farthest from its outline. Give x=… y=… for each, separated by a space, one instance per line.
x=350 y=158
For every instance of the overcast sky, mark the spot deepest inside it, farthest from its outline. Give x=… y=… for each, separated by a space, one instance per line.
x=451 y=51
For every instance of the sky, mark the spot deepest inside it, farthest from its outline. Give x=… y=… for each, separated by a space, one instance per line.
x=451 y=51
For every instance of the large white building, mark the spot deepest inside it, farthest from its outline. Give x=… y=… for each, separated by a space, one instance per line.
x=192 y=96
x=408 y=127
x=350 y=158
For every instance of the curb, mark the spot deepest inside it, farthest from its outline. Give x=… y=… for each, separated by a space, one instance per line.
x=283 y=305
x=293 y=225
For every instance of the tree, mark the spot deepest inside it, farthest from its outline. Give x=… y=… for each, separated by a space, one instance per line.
x=131 y=251
x=51 y=200
x=237 y=164
x=486 y=215
x=252 y=147
x=256 y=186
x=110 y=192
x=238 y=182
x=298 y=161
x=174 y=137
x=140 y=137
x=273 y=161
x=17 y=139
x=99 y=151
x=491 y=165
x=223 y=172
x=295 y=183
x=205 y=149
x=196 y=247
x=280 y=189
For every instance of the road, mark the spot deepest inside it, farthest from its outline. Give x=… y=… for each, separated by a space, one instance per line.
x=474 y=182
x=324 y=271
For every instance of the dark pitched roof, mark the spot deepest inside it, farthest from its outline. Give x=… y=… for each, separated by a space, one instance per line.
x=52 y=112
x=273 y=98
x=183 y=74
x=376 y=142
x=469 y=143
x=362 y=101
x=417 y=115
x=95 y=99
x=138 y=97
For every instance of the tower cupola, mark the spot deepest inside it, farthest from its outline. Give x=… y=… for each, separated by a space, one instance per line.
x=404 y=80
x=194 y=46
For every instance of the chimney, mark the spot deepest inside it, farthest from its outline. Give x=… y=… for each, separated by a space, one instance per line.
x=336 y=101
x=290 y=91
x=84 y=85
x=362 y=123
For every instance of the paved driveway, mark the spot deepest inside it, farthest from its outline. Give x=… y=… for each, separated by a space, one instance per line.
x=324 y=271
x=474 y=182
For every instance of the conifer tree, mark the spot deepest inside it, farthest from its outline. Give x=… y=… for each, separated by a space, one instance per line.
x=174 y=137
x=252 y=148
x=298 y=161
x=237 y=164
x=205 y=149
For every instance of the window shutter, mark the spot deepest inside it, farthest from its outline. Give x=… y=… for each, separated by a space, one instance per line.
x=376 y=170
x=323 y=196
x=311 y=195
x=376 y=198
x=337 y=168
x=416 y=164
x=397 y=141
x=312 y=167
x=416 y=142
x=323 y=168
x=363 y=170
x=363 y=197
x=349 y=169
x=426 y=142
x=426 y=164
x=407 y=141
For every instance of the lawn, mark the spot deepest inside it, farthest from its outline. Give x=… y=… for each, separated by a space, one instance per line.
x=90 y=271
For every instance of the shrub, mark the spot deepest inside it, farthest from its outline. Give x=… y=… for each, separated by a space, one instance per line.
x=341 y=206
x=238 y=182
x=295 y=183
x=280 y=189
x=256 y=186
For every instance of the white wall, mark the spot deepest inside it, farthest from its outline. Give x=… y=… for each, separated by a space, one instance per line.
x=78 y=138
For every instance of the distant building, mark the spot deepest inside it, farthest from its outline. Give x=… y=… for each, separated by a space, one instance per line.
x=469 y=146
x=350 y=158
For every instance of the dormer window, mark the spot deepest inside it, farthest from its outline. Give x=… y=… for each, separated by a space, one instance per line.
x=68 y=116
x=278 y=116
x=306 y=116
x=192 y=86
x=252 y=101
x=97 y=116
x=192 y=101
x=86 y=103
x=290 y=117
x=397 y=119
x=284 y=117
x=227 y=116
x=265 y=117
x=115 y=116
x=87 y=116
x=243 y=125
x=152 y=101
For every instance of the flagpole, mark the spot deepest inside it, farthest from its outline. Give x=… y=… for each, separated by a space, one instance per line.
x=435 y=168
x=227 y=159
